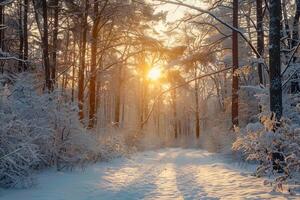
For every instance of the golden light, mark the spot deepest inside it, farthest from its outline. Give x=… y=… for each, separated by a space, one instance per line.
x=154 y=74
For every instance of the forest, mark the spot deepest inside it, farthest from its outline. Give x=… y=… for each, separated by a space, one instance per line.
x=149 y=99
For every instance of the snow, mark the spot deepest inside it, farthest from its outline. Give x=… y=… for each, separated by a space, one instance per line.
x=171 y=173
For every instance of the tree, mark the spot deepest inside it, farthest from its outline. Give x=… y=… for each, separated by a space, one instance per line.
x=54 y=42
x=25 y=32
x=83 y=41
x=274 y=59
x=92 y=90
x=45 y=46
x=2 y=28
x=235 y=63
x=21 y=37
x=197 y=111
x=260 y=37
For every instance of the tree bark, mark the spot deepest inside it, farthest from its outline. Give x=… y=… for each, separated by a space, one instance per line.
x=54 y=42
x=21 y=37
x=174 y=105
x=2 y=35
x=197 y=114
x=235 y=62
x=81 y=72
x=274 y=60
x=46 y=46
x=25 y=32
x=93 y=72
x=260 y=37
x=118 y=97
x=2 y=30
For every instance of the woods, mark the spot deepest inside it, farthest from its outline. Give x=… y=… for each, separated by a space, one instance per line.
x=90 y=80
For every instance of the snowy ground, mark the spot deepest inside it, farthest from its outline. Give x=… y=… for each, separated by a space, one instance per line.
x=162 y=174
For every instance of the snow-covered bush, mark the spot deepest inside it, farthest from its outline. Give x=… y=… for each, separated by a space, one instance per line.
x=275 y=146
x=39 y=130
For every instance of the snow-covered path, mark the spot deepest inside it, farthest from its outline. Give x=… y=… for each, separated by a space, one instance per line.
x=162 y=174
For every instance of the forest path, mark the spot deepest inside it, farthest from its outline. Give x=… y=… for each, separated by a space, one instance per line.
x=162 y=174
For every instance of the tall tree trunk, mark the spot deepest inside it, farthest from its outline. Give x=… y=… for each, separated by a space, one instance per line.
x=81 y=72
x=118 y=97
x=2 y=24
x=25 y=32
x=197 y=114
x=46 y=46
x=21 y=37
x=275 y=61
x=174 y=105
x=235 y=62
x=54 y=42
x=2 y=35
x=260 y=37
x=93 y=70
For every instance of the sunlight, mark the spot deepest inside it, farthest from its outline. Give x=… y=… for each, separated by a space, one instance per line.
x=154 y=74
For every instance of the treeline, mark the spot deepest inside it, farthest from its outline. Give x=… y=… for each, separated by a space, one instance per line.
x=80 y=44
x=99 y=53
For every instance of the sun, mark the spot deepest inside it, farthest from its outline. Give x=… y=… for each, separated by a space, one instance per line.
x=154 y=74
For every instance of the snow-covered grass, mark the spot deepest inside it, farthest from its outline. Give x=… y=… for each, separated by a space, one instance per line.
x=160 y=174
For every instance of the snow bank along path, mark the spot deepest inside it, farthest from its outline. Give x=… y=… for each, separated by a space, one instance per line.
x=161 y=174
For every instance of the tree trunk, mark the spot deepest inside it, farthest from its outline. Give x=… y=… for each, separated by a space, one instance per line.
x=93 y=70
x=82 y=61
x=54 y=42
x=235 y=62
x=46 y=46
x=21 y=37
x=260 y=37
x=275 y=62
x=1 y=23
x=197 y=114
x=118 y=97
x=2 y=35
x=174 y=106
x=25 y=32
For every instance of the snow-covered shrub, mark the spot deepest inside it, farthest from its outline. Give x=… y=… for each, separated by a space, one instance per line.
x=275 y=146
x=38 y=130
x=116 y=142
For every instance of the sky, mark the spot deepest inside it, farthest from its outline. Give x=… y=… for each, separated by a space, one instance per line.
x=176 y=12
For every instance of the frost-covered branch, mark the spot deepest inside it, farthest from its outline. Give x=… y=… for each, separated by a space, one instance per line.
x=179 y=86
x=291 y=58
x=4 y=3
x=179 y=3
